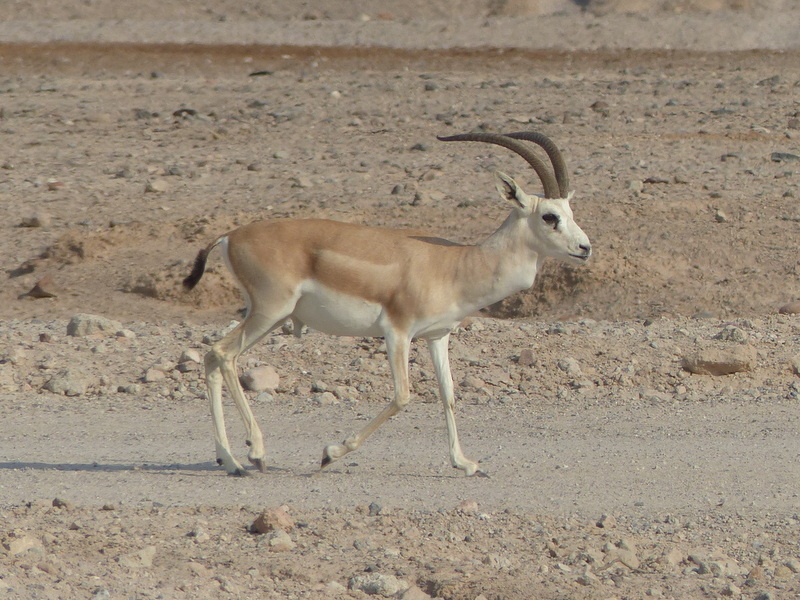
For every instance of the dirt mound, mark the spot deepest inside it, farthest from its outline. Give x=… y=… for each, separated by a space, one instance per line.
x=166 y=284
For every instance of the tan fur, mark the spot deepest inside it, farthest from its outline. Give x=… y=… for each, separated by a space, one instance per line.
x=347 y=279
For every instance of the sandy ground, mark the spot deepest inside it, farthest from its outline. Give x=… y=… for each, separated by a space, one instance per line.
x=131 y=139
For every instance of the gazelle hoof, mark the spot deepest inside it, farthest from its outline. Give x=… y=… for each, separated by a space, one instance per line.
x=259 y=463
x=239 y=472
x=326 y=460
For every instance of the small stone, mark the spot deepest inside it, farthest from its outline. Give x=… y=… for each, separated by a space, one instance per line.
x=673 y=557
x=414 y=593
x=570 y=366
x=377 y=584
x=302 y=182
x=84 y=324
x=467 y=507
x=23 y=545
x=473 y=382
x=260 y=379
x=70 y=382
x=731 y=334
x=374 y=509
x=153 y=374
x=588 y=578
x=795 y=365
x=526 y=358
x=273 y=519
x=783 y=157
x=607 y=522
x=718 y=361
x=141 y=559
x=36 y=220
x=783 y=572
x=280 y=541
x=635 y=185
x=731 y=590
x=190 y=355
x=793 y=564
x=44 y=288
x=792 y=308
x=157 y=186
x=325 y=399
x=61 y=503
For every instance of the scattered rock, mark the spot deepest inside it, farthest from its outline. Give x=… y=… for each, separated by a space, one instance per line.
x=377 y=584
x=141 y=559
x=260 y=379
x=70 y=382
x=792 y=308
x=36 y=220
x=473 y=382
x=44 y=288
x=719 y=361
x=527 y=358
x=795 y=365
x=414 y=593
x=325 y=399
x=607 y=522
x=23 y=545
x=732 y=334
x=190 y=355
x=153 y=374
x=273 y=519
x=156 y=186
x=280 y=541
x=84 y=324
x=467 y=507
x=570 y=366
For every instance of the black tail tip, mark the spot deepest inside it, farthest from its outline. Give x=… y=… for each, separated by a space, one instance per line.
x=197 y=271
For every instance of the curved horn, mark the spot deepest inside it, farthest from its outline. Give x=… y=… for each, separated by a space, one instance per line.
x=549 y=146
x=549 y=182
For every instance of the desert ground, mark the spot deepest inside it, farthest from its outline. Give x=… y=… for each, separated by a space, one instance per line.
x=620 y=466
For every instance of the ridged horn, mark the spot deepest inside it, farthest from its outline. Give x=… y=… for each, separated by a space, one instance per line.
x=549 y=182
x=549 y=146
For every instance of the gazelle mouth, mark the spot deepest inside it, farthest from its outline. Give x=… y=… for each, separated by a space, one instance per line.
x=581 y=256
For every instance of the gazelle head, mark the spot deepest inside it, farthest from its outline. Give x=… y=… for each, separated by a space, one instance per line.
x=551 y=229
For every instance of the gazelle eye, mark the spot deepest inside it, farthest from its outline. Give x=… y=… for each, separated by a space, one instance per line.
x=551 y=219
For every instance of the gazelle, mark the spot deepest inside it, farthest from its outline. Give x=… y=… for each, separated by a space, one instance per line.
x=355 y=280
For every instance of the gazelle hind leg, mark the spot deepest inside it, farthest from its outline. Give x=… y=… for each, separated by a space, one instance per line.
x=441 y=363
x=397 y=350
x=223 y=449
x=221 y=366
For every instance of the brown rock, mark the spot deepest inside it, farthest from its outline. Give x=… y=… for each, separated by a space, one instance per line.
x=793 y=308
x=261 y=379
x=468 y=507
x=526 y=358
x=44 y=288
x=273 y=519
x=720 y=361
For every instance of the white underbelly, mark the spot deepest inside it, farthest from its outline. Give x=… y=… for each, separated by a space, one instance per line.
x=336 y=313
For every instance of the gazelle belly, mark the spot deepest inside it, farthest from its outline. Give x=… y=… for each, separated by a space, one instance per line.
x=337 y=313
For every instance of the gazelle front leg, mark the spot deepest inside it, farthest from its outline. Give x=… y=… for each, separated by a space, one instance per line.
x=441 y=363
x=397 y=350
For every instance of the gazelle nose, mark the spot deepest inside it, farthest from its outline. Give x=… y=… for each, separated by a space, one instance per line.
x=587 y=249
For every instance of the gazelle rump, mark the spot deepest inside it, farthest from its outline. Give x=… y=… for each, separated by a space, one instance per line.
x=355 y=280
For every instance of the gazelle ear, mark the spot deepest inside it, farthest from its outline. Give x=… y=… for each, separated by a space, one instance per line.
x=510 y=191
